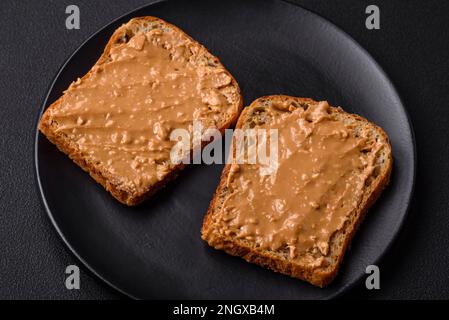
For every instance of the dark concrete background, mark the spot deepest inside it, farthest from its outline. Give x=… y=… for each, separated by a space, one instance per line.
x=412 y=47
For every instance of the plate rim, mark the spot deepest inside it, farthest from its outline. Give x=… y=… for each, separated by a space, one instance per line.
x=388 y=82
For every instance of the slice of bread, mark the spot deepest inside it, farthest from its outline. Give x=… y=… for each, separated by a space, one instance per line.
x=312 y=265
x=215 y=98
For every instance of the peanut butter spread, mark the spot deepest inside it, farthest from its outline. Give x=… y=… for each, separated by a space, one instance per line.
x=320 y=177
x=120 y=116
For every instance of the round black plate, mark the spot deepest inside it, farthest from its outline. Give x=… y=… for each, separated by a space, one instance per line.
x=155 y=249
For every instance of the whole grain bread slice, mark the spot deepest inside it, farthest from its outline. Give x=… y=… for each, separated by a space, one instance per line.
x=199 y=56
x=280 y=261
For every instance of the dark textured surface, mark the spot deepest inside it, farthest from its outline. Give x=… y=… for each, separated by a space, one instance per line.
x=410 y=46
x=154 y=250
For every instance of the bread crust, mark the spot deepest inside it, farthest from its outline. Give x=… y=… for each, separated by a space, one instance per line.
x=68 y=147
x=317 y=276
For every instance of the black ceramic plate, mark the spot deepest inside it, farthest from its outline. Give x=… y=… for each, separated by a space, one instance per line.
x=154 y=250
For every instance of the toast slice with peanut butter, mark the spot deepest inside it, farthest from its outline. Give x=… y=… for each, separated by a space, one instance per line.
x=299 y=219
x=115 y=122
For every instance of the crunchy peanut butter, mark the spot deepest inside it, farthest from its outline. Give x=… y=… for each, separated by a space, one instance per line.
x=318 y=182
x=122 y=114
